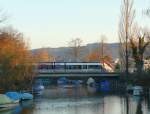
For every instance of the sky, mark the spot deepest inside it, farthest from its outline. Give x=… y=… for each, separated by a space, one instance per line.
x=53 y=23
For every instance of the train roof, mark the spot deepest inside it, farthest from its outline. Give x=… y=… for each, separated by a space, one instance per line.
x=71 y=63
x=68 y=62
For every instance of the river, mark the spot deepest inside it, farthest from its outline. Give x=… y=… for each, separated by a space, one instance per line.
x=81 y=100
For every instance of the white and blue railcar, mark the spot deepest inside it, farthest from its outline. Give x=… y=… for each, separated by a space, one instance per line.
x=70 y=67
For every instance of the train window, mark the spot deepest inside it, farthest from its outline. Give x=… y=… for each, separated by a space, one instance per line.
x=46 y=67
x=77 y=66
x=59 y=66
x=39 y=66
x=84 y=67
x=50 y=66
x=70 y=67
x=42 y=66
x=94 y=67
x=73 y=67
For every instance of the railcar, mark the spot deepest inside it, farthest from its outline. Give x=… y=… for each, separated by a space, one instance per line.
x=70 y=66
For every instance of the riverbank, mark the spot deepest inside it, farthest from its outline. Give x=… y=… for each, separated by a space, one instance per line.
x=135 y=79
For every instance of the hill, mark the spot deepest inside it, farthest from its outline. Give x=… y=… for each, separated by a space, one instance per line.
x=63 y=53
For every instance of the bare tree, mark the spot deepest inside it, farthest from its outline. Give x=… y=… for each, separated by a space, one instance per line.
x=138 y=47
x=102 y=47
x=105 y=53
x=101 y=53
x=147 y=12
x=75 y=45
x=3 y=16
x=125 y=30
x=147 y=33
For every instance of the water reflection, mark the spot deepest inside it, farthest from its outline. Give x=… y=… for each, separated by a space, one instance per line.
x=27 y=105
x=60 y=100
x=139 y=106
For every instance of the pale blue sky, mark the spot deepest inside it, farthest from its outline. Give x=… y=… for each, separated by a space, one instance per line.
x=53 y=23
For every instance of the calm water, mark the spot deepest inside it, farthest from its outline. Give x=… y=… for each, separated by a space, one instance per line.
x=81 y=100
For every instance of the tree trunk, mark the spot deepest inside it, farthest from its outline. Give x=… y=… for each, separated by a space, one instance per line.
x=139 y=68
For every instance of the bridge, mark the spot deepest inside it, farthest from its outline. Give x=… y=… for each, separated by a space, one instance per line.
x=77 y=74
x=51 y=76
x=50 y=71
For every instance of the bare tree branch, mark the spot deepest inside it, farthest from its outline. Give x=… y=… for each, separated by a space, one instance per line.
x=75 y=45
x=125 y=30
x=3 y=16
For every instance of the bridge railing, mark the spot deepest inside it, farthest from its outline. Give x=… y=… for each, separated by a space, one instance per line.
x=70 y=71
